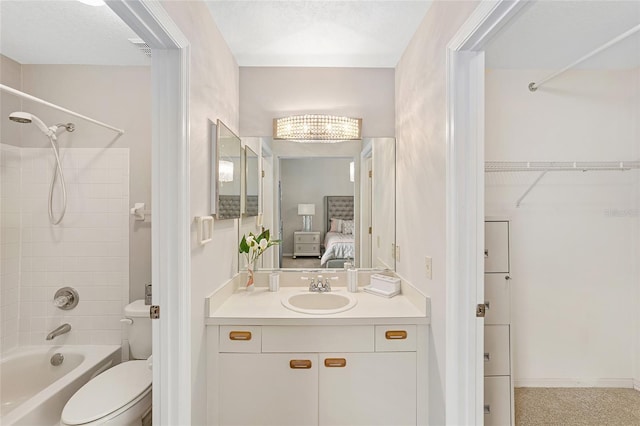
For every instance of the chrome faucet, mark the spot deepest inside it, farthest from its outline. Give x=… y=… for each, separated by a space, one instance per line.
x=64 y=328
x=320 y=287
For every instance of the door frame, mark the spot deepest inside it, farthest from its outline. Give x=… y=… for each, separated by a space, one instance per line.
x=464 y=395
x=171 y=261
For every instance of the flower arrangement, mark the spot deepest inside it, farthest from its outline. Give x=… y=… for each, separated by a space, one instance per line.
x=252 y=247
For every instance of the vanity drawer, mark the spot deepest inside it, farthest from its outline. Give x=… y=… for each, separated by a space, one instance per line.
x=497 y=401
x=307 y=238
x=317 y=338
x=308 y=248
x=247 y=339
x=496 y=350
x=395 y=338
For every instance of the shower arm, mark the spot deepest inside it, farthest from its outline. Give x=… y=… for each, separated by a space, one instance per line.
x=59 y=108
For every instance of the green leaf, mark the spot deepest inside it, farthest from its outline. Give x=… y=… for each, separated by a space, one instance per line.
x=244 y=247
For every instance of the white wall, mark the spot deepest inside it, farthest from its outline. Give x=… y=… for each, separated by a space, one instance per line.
x=574 y=240
x=10 y=160
x=89 y=251
x=271 y=92
x=308 y=181
x=119 y=96
x=421 y=159
x=213 y=91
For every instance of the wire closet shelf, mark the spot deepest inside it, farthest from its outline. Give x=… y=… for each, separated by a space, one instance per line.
x=559 y=166
x=543 y=167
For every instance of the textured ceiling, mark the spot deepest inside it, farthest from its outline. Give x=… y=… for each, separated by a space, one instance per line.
x=65 y=32
x=364 y=33
x=553 y=34
x=318 y=33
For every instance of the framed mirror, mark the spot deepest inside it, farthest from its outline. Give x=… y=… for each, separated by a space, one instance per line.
x=251 y=183
x=329 y=181
x=226 y=170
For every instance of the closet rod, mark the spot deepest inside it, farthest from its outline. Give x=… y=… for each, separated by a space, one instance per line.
x=59 y=108
x=533 y=86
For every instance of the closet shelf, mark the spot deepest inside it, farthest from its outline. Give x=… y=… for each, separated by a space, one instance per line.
x=556 y=166
x=559 y=166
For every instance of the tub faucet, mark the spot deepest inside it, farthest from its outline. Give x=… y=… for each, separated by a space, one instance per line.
x=64 y=328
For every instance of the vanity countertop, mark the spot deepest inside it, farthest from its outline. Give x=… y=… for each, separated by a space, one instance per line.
x=263 y=307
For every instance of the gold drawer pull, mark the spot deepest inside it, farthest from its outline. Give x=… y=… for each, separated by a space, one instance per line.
x=240 y=335
x=300 y=363
x=335 y=362
x=395 y=334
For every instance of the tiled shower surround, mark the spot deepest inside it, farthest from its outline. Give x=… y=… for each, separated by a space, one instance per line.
x=88 y=251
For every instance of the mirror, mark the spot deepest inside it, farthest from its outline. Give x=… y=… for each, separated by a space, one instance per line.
x=225 y=172
x=252 y=182
x=301 y=174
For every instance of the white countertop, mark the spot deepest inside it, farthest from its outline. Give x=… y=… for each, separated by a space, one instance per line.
x=262 y=307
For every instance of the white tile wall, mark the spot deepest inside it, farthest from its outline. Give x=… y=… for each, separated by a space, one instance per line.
x=9 y=245
x=88 y=251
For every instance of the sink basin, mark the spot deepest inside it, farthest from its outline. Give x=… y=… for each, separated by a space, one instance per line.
x=319 y=303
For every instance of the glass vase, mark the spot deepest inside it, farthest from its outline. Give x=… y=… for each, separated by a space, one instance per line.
x=251 y=268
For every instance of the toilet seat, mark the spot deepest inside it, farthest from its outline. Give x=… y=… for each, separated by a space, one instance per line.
x=109 y=394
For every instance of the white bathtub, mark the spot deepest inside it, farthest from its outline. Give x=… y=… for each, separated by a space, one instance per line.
x=33 y=392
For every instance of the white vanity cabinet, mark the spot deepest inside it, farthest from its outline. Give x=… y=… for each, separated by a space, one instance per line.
x=317 y=375
x=498 y=387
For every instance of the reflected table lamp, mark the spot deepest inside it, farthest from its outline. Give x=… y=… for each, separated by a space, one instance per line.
x=306 y=211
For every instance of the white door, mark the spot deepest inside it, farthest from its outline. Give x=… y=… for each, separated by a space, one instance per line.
x=171 y=261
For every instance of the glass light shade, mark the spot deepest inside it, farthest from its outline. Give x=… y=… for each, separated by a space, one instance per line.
x=226 y=171
x=93 y=2
x=316 y=127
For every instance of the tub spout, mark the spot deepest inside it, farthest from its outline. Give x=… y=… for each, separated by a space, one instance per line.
x=64 y=328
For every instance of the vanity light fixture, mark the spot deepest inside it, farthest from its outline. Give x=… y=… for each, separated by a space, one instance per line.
x=317 y=128
x=226 y=171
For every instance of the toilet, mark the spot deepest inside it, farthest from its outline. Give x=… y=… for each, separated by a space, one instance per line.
x=122 y=394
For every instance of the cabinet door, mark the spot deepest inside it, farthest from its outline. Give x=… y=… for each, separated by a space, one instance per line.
x=496 y=243
x=368 y=389
x=496 y=350
x=497 y=298
x=497 y=401
x=268 y=389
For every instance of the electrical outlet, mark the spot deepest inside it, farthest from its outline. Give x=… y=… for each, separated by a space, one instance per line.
x=428 y=264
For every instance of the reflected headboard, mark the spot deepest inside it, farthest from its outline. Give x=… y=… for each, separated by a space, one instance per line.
x=338 y=207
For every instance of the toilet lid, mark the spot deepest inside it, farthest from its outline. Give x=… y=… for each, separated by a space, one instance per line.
x=107 y=392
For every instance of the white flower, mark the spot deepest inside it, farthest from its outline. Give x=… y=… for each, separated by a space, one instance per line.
x=263 y=244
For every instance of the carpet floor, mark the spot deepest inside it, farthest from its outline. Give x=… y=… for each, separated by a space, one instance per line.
x=301 y=262
x=577 y=406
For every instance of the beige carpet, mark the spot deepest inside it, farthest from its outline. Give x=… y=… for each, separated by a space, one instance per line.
x=301 y=262
x=577 y=406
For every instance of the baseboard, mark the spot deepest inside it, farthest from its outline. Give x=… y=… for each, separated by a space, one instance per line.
x=636 y=384
x=576 y=383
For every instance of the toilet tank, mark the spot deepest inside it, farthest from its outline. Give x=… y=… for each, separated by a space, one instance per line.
x=139 y=331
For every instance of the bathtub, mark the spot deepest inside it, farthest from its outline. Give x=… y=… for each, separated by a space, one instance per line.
x=34 y=392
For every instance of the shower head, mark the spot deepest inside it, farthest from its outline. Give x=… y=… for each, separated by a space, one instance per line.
x=25 y=117
x=20 y=117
